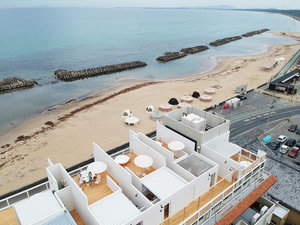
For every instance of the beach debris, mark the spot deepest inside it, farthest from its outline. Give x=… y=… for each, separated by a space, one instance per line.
x=195 y=49
x=216 y=86
x=67 y=75
x=22 y=138
x=50 y=123
x=168 y=56
x=249 y=34
x=225 y=41
x=12 y=83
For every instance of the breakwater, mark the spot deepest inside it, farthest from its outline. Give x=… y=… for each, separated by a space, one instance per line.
x=194 y=49
x=12 y=83
x=225 y=41
x=66 y=75
x=168 y=56
x=249 y=34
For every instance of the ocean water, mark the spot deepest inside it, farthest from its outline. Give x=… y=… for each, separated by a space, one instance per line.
x=36 y=42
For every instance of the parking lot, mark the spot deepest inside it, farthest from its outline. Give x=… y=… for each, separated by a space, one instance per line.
x=282 y=129
x=255 y=103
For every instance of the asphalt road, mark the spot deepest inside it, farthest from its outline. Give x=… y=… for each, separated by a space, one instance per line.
x=244 y=125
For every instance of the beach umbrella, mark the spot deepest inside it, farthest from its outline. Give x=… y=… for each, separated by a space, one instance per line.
x=127 y=113
x=150 y=109
x=156 y=115
x=195 y=94
x=173 y=101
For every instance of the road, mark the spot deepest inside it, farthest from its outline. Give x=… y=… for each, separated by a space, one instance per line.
x=243 y=125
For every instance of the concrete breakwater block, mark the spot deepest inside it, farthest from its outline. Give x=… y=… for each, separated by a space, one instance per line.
x=12 y=83
x=168 y=56
x=67 y=75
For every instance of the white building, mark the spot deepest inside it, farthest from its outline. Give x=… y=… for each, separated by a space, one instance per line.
x=190 y=174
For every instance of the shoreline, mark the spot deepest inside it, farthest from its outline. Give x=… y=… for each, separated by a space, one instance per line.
x=98 y=118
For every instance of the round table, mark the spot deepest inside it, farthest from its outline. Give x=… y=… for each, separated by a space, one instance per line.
x=183 y=104
x=166 y=107
x=97 y=167
x=143 y=161
x=209 y=91
x=132 y=120
x=123 y=160
x=176 y=146
x=205 y=98
x=187 y=99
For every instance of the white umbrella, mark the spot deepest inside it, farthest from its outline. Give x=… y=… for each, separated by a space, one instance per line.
x=97 y=167
x=127 y=113
x=150 y=109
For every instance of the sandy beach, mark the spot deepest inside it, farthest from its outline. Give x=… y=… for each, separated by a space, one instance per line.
x=72 y=128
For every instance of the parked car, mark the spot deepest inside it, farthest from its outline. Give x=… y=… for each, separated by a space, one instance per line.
x=282 y=138
x=298 y=143
x=293 y=128
x=284 y=149
x=294 y=152
x=275 y=145
x=290 y=142
x=242 y=97
x=267 y=140
x=298 y=131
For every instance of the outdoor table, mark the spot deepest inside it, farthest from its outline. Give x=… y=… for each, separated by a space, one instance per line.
x=187 y=99
x=97 y=167
x=166 y=107
x=143 y=161
x=132 y=120
x=123 y=160
x=176 y=146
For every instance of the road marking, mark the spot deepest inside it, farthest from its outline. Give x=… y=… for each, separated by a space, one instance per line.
x=246 y=120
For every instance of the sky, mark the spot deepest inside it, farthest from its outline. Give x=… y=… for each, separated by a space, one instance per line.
x=279 y=4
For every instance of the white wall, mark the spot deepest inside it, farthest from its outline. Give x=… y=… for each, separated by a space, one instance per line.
x=168 y=136
x=52 y=180
x=111 y=184
x=226 y=165
x=66 y=197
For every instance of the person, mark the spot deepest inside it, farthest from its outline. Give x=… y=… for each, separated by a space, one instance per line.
x=91 y=178
x=80 y=180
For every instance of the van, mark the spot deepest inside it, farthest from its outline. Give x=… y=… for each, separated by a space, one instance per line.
x=267 y=140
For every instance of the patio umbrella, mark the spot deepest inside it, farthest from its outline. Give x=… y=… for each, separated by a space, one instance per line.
x=150 y=109
x=173 y=101
x=195 y=94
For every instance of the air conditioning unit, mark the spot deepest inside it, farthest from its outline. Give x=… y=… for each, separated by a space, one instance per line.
x=263 y=210
x=255 y=218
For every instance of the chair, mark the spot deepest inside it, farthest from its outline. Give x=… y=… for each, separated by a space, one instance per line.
x=98 y=179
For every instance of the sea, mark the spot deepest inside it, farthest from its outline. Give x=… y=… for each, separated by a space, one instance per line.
x=35 y=42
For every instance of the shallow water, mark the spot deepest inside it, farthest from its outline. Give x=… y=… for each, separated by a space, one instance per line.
x=36 y=42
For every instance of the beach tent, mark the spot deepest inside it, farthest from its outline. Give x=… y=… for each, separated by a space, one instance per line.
x=150 y=109
x=127 y=113
x=195 y=94
x=156 y=115
x=173 y=101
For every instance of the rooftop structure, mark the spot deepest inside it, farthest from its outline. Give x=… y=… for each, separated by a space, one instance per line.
x=162 y=181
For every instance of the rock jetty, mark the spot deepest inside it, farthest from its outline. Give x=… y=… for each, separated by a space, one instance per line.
x=168 y=56
x=249 y=34
x=194 y=49
x=9 y=84
x=225 y=40
x=66 y=75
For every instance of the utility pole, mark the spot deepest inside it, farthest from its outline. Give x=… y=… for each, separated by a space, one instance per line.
x=268 y=119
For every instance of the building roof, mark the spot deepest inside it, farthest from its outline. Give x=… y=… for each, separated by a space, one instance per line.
x=62 y=219
x=286 y=77
x=195 y=165
x=163 y=182
x=37 y=208
x=245 y=203
x=223 y=147
x=114 y=209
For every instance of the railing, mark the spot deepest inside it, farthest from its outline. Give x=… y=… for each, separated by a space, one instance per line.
x=9 y=201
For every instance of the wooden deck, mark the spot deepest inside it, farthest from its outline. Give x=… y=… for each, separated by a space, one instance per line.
x=8 y=216
x=236 y=158
x=96 y=192
x=77 y=218
x=135 y=169
x=199 y=202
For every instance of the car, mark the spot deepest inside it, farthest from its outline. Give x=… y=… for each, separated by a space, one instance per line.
x=267 y=140
x=283 y=149
x=290 y=142
x=298 y=131
x=294 y=152
x=282 y=138
x=275 y=145
x=293 y=128
x=298 y=143
x=242 y=97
